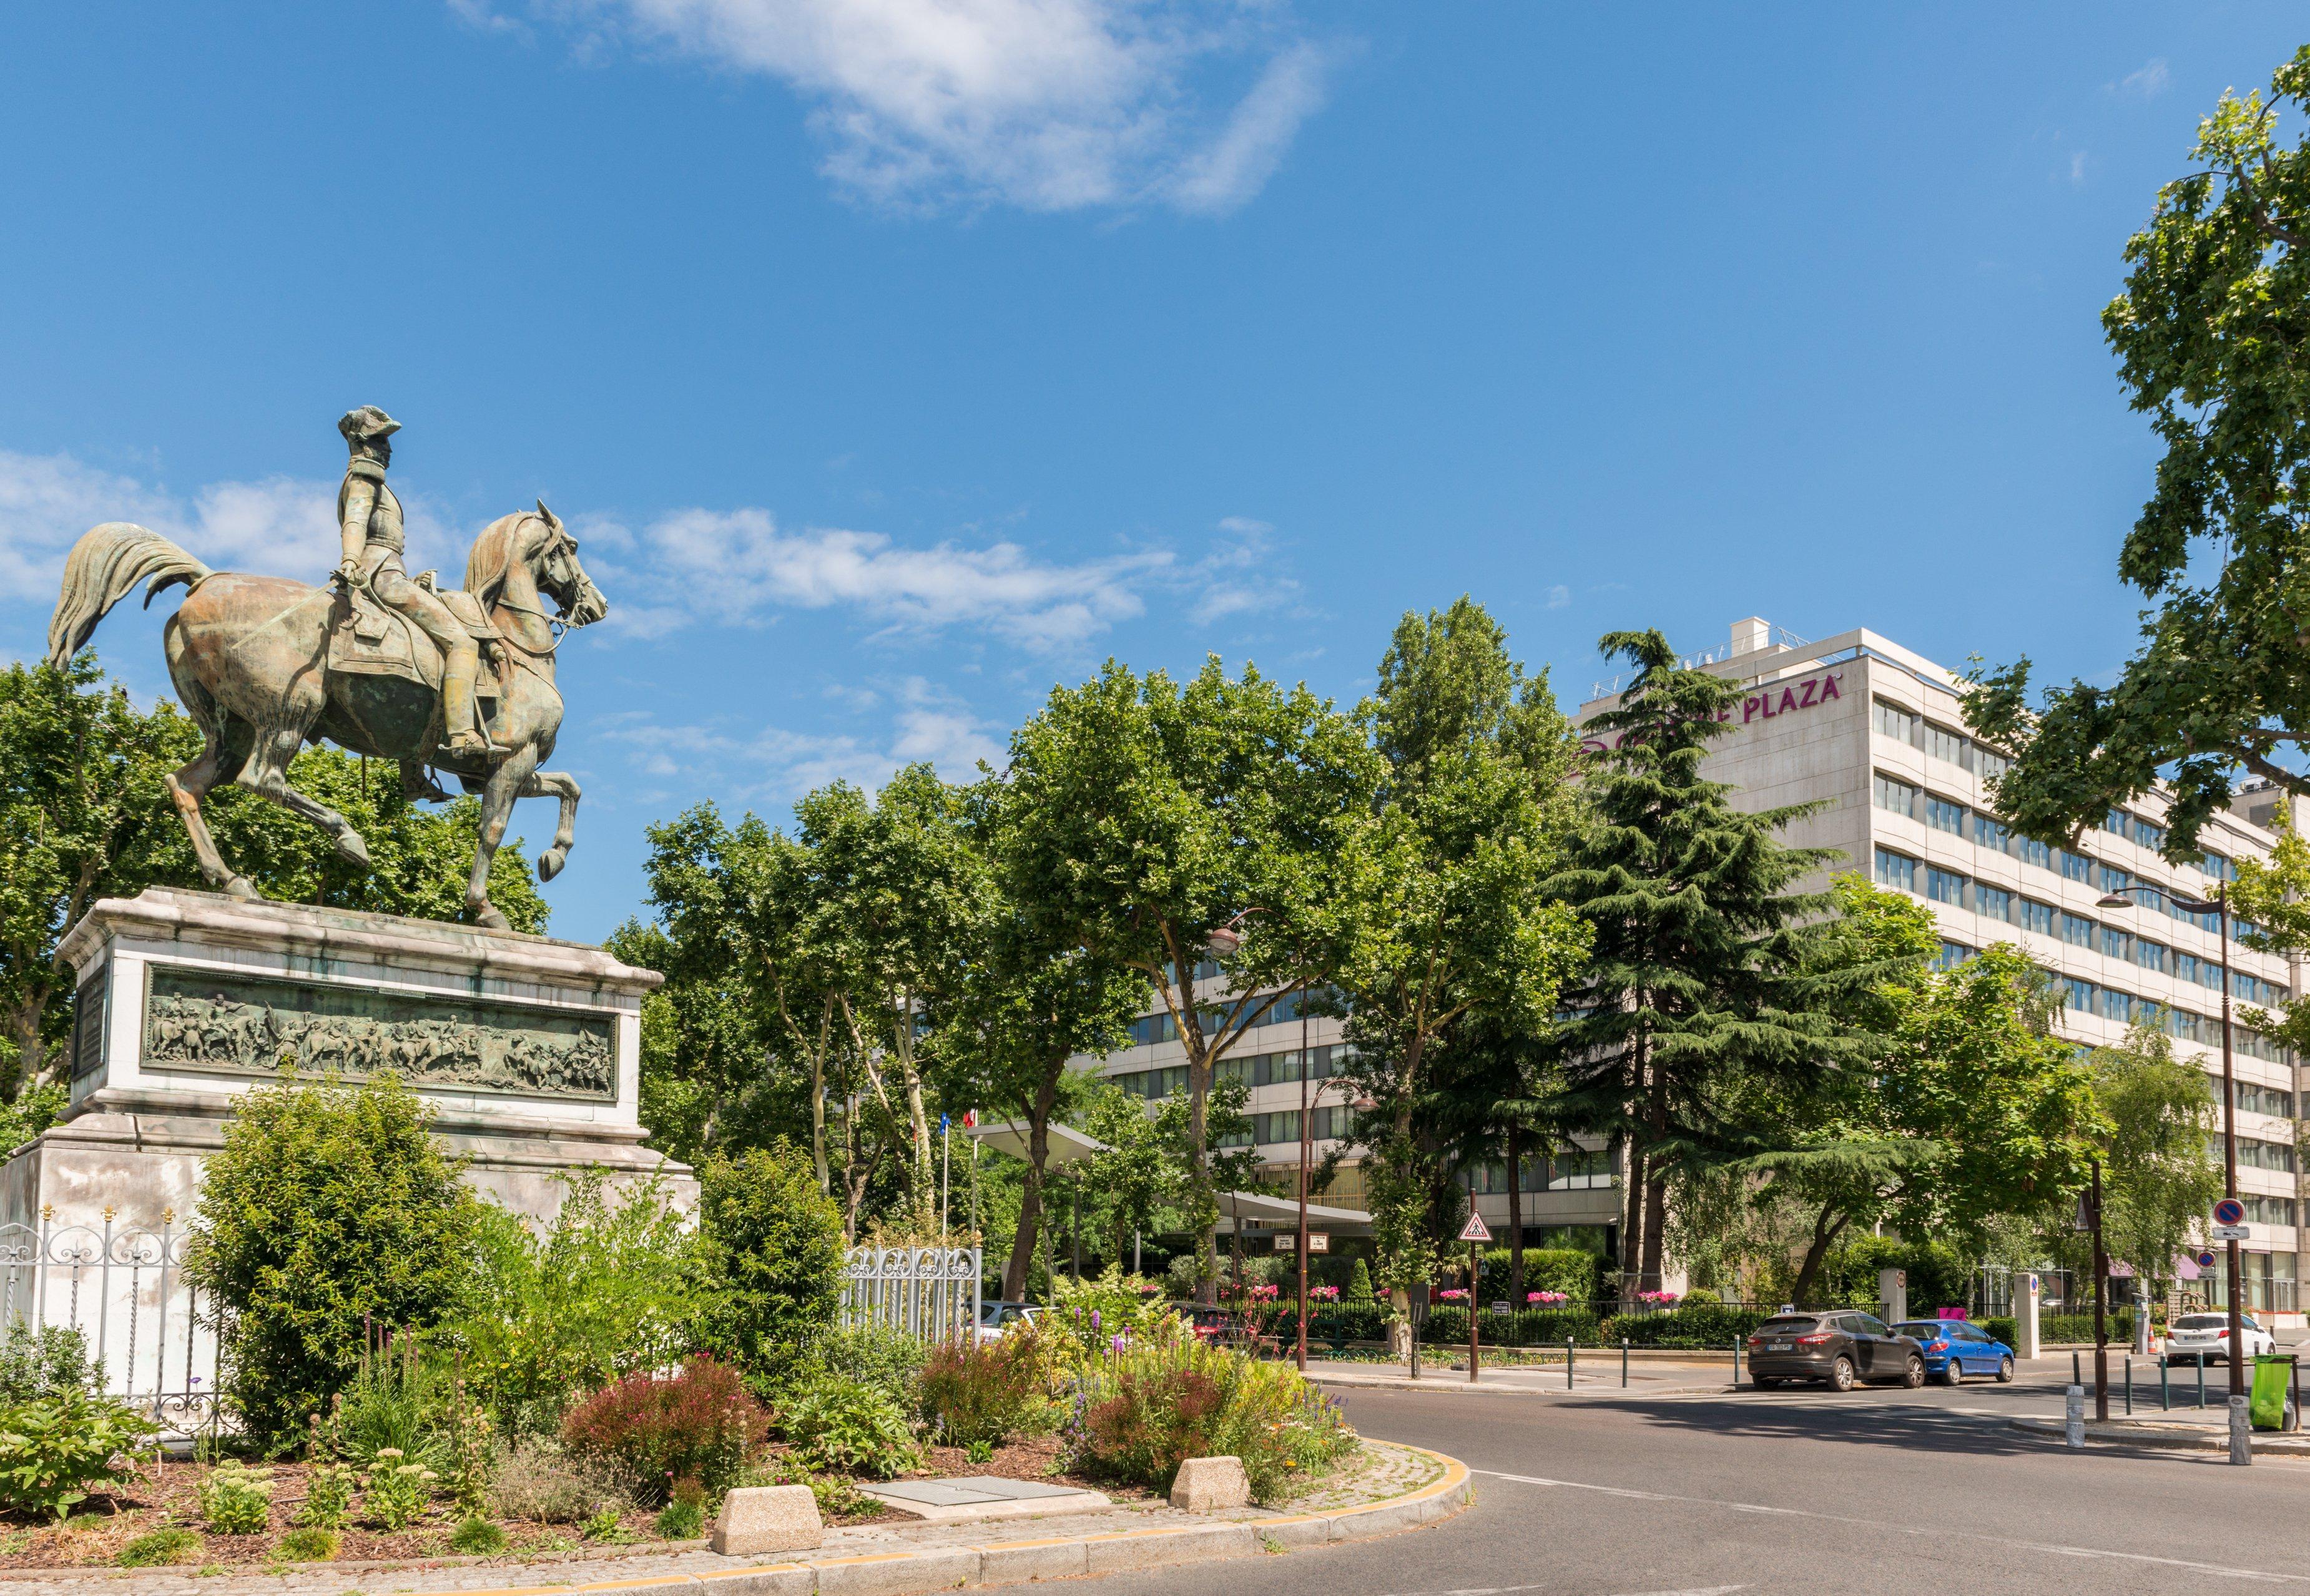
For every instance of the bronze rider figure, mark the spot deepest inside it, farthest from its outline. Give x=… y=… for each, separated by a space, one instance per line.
x=370 y=517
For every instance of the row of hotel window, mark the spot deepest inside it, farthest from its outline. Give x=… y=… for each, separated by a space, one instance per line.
x=2269 y=1210
x=1942 y=744
x=1996 y=903
x=1327 y=1004
x=1987 y=831
x=1574 y=1170
x=1257 y=1069
x=2259 y=1155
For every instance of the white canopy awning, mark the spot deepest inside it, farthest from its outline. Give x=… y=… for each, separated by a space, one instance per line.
x=1063 y=1144
x=1272 y=1213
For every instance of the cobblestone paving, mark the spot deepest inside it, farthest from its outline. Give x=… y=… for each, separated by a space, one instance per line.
x=1377 y=1472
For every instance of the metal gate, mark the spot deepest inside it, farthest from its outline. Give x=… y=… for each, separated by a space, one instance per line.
x=929 y=1293
x=123 y=1288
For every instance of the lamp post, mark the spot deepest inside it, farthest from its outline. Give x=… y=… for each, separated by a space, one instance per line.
x=2219 y=906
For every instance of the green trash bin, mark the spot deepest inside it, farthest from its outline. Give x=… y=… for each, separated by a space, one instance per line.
x=2273 y=1394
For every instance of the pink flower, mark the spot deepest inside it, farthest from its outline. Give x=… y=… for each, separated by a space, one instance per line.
x=1547 y=1296
x=1451 y=1293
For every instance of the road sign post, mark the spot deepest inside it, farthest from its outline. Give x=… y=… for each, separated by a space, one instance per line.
x=1475 y=1234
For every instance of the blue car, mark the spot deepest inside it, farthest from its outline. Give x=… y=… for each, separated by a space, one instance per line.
x=1955 y=1348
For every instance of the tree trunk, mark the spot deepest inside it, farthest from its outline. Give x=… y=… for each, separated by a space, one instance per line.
x=1823 y=1236
x=1655 y=1190
x=1516 y=1218
x=1030 y=1205
x=1632 y=1223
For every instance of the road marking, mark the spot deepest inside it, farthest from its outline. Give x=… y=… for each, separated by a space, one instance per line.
x=2049 y=1548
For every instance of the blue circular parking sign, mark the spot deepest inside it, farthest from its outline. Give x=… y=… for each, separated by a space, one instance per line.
x=2206 y=1259
x=2230 y=1211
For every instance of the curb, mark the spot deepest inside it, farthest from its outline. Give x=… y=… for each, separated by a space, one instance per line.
x=2264 y=1443
x=990 y=1563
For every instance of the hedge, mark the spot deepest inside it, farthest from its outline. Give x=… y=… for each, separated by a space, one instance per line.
x=1709 y=1326
x=1447 y=1326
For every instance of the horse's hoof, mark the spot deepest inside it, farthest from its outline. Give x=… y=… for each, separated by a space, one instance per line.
x=353 y=849
x=489 y=919
x=242 y=888
x=550 y=862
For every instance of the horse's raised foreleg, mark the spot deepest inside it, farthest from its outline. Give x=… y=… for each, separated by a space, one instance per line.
x=504 y=785
x=266 y=773
x=561 y=785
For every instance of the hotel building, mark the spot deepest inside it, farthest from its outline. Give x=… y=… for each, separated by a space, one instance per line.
x=1873 y=733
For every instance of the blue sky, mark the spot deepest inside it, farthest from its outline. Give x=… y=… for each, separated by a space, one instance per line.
x=896 y=361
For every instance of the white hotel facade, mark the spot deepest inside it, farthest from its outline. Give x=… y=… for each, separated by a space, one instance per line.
x=1871 y=733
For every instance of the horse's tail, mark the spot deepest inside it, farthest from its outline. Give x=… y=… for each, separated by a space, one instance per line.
x=102 y=567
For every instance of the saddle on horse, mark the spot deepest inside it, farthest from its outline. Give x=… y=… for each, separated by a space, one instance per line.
x=366 y=638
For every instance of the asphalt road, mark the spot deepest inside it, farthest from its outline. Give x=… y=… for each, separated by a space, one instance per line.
x=1704 y=1494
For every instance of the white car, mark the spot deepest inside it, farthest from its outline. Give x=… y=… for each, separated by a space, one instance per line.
x=996 y=1318
x=2206 y=1338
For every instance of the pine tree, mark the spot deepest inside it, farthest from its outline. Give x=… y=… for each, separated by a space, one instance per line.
x=1360 y=1285
x=1694 y=975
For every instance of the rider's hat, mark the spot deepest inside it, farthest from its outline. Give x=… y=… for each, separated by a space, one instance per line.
x=367 y=425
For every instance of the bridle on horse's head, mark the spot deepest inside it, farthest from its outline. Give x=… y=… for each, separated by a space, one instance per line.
x=557 y=541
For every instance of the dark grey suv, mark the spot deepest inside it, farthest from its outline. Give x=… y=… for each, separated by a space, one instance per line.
x=1841 y=1347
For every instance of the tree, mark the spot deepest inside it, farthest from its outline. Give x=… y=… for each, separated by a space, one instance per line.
x=1152 y=815
x=1962 y=1103
x=328 y=1208
x=83 y=815
x=2209 y=335
x=1698 y=974
x=1136 y=1174
x=2160 y=1176
x=775 y=1241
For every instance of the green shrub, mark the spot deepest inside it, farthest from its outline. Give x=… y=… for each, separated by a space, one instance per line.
x=236 y=1500
x=606 y=1525
x=1348 y=1321
x=837 y=1422
x=837 y=1498
x=613 y=1284
x=314 y=1543
x=700 y=1425
x=53 y=1449
x=1086 y=1318
x=388 y=1404
x=981 y=1394
x=1447 y=1327
x=477 y=1538
x=889 y=1360
x=1699 y=1297
x=683 y=1518
x=774 y=1241
x=1358 y=1293
x=2005 y=1328
x=395 y=1491
x=328 y=1208
x=166 y=1546
x=50 y=1363
x=541 y=1482
x=1160 y=1401
x=1709 y=1326
x=329 y=1496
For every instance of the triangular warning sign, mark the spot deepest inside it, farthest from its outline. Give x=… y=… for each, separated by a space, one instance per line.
x=1474 y=1231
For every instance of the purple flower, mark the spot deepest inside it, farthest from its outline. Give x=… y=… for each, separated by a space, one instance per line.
x=1094 y=1318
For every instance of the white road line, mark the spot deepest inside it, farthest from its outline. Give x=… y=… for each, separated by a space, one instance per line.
x=2049 y=1548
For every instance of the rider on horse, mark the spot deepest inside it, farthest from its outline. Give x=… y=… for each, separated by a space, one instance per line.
x=370 y=517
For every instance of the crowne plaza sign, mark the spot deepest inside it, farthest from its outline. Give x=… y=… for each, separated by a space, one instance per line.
x=1769 y=702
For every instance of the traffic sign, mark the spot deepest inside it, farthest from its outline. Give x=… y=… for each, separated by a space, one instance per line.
x=2233 y=1233
x=1474 y=1231
x=2206 y=1259
x=2230 y=1211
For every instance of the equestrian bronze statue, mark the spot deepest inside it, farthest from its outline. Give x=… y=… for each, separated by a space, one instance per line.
x=379 y=663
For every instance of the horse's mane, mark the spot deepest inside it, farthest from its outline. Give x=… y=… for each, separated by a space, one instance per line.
x=493 y=556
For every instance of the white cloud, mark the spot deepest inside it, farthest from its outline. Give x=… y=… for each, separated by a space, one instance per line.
x=2152 y=80
x=2077 y=167
x=774 y=764
x=735 y=567
x=279 y=526
x=1241 y=575
x=1559 y=596
x=1051 y=105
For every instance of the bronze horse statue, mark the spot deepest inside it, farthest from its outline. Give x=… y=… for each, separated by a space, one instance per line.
x=266 y=665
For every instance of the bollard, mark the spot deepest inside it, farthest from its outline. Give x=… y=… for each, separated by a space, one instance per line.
x=1567 y=1363
x=2129 y=1385
x=2076 y=1378
x=1736 y=1363
x=2165 y=1384
x=1624 y=1363
x=2202 y=1379
x=2073 y=1418
x=2241 y=1432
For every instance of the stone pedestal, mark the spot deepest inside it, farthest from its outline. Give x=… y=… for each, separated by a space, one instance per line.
x=528 y=1049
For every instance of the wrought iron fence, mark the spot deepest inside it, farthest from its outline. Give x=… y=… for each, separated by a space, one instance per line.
x=123 y=1288
x=929 y=1293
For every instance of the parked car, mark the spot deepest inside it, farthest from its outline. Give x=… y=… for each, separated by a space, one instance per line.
x=2196 y=1338
x=1955 y=1348
x=996 y=1318
x=1842 y=1347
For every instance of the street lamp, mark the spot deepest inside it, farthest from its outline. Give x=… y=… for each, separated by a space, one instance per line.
x=2219 y=905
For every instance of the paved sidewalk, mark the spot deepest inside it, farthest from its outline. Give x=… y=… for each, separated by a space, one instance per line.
x=2172 y=1432
x=1591 y=1376
x=1399 y=1488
